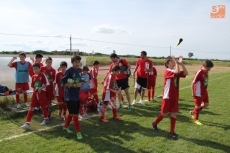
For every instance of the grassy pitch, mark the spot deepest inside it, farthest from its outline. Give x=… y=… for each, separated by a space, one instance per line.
x=134 y=133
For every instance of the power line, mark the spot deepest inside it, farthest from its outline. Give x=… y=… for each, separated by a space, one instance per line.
x=93 y=40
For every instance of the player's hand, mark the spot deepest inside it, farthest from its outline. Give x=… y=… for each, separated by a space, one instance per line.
x=14 y=58
x=180 y=61
x=39 y=90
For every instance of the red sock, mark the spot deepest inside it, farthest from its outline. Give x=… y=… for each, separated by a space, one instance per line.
x=153 y=92
x=64 y=109
x=76 y=123
x=114 y=112
x=17 y=98
x=29 y=116
x=172 y=123
x=68 y=120
x=96 y=98
x=149 y=95
x=45 y=112
x=103 y=109
x=196 y=113
x=158 y=119
x=25 y=97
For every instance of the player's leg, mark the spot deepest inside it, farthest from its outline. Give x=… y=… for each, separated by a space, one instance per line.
x=75 y=119
x=137 y=87
x=103 y=110
x=205 y=103
x=43 y=103
x=165 y=108
x=114 y=108
x=69 y=116
x=18 y=90
x=24 y=89
x=172 y=126
x=196 y=110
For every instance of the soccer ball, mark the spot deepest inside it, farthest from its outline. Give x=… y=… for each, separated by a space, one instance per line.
x=70 y=81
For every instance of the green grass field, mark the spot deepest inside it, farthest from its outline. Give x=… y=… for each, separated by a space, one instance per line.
x=134 y=133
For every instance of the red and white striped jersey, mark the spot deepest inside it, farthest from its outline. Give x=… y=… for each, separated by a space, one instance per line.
x=200 y=83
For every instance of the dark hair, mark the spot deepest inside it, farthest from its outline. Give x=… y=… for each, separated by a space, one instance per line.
x=208 y=63
x=144 y=53
x=96 y=63
x=168 y=59
x=113 y=55
x=36 y=65
x=116 y=68
x=85 y=68
x=22 y=54
x=75 y=58
x=38 y=56
x=63 y=63
x=48 y=58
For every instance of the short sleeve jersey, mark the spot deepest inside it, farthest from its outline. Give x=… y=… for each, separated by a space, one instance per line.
x=200 y=83
x=142 y=65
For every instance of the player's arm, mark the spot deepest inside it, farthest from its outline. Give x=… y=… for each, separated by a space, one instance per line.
x=177 y=69
x=10 y=64
x=182 y=65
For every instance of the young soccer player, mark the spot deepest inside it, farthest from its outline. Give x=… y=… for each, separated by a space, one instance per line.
x=50 y=74
x=93 y=80
x=109 y=94
x=152 y=76
x=60 y=90
x=22 y=77
x=169 y=99
x=72 y=83
x=84 y=92
x=199 y=90
x=38 y=59
x=38 y=99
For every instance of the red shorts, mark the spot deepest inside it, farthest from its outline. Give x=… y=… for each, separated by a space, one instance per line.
x=109 y=96
x=38 y=100
x=199 y=100
x=84 y=95
x=19 y=87
x=169 y=105
x=93 y=91
x=151 y=84
x=49 y=93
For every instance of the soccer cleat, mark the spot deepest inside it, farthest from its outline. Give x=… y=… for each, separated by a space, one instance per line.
x=45 y=121
x=130 y=107
x=154 y=127
x=134 y=102
x=120 y=106
x=36 y=108
x=27 y=104
x=198 y=122
x=103 y=119
x=142 y=102
x=79 y=136
x=191 y=113
x=18 y=106
x=25 y=126
x=80 y=117
x=117 y=117
x=174 y=136
x=67 y=130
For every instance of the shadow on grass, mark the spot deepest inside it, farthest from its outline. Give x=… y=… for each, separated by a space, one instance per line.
x=210 y=144
x=225 y=127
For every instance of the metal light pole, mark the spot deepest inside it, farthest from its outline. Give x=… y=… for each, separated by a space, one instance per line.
x=70 y=46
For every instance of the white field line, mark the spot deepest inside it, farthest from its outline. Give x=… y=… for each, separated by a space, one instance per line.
x=47 y=128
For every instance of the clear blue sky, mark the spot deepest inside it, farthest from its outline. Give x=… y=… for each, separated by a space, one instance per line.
x=153 y=23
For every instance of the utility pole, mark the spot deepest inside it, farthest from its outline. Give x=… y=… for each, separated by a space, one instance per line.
x=170 y=50
x=70 y=46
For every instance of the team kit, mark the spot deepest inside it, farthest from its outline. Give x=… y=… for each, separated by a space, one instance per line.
x=72 y=86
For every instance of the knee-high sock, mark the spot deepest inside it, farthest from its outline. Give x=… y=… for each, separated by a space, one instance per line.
x=196 y=113
x=68 y=120
x=172 y=124
x=45 y=112
x=29 y=116
x=17 y=98
x=76 y=123
x=25 y=97
x=149 y=95
x=158 y=119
